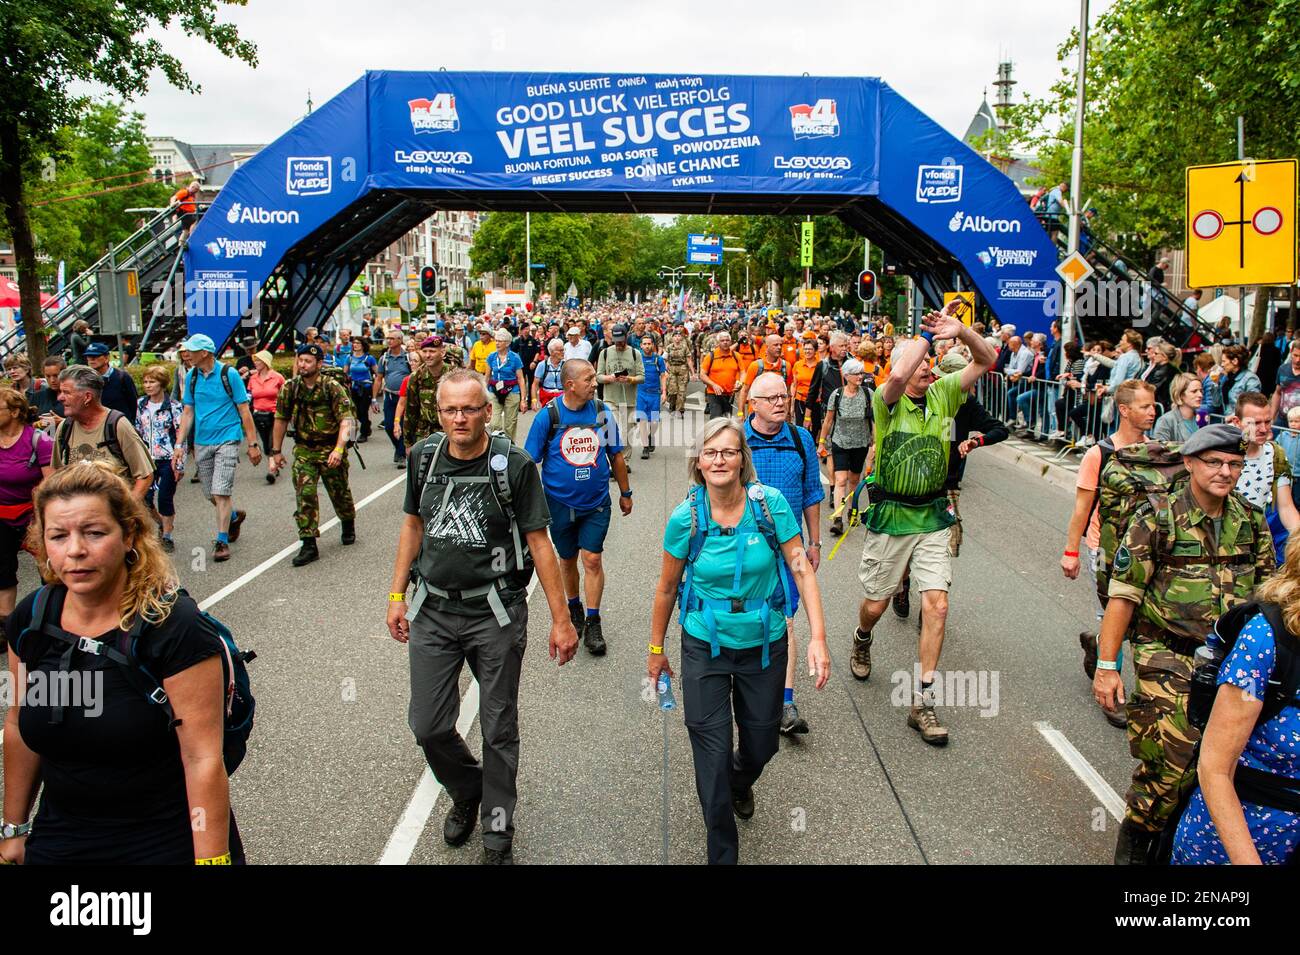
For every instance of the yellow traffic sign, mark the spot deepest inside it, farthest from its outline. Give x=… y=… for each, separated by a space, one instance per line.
x=965 y=311
x=1241 y=223
x=810 y=298
x=1074 y=268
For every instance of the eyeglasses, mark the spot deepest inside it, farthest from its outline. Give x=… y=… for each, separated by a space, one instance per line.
x=775 y=399
x=467 y=412
x=712 y=454
x=1218 y=464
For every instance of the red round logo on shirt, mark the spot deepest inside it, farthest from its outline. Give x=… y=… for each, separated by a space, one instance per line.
x=580 y=446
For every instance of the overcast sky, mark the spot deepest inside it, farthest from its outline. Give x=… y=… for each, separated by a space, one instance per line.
x=940 y=54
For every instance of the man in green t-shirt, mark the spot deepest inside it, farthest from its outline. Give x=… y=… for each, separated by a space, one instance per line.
x=910 y=517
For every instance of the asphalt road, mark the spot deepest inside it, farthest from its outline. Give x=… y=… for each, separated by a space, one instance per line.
x=333 y=774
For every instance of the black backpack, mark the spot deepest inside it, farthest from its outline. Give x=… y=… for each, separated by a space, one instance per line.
x=239 y=703
x=109 y=439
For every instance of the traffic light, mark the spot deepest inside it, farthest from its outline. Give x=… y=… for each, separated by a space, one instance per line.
x=867 y=285
x=428 y=281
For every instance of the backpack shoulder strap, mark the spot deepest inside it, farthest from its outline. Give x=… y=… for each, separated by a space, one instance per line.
x=63 y=438
x=798 y=442
x=429 y=456
x=226 y=372
x=40 y=610
x=110 y=434
x=34 y=460
x=699 y=524
x=499 y=447
x=552 y=416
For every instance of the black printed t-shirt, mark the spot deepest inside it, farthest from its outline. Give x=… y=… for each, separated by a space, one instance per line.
x=470 y=544
x=114 y=785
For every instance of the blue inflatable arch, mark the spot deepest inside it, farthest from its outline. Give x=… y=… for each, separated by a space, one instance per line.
x=296 y=224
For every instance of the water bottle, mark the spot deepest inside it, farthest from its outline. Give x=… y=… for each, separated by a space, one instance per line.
x=665 y=690
x=1204 y=685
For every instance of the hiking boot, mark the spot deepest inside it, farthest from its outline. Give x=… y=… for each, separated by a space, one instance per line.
x=645 y=454
x=903 y=602
x=460 y=822
x=168 y=545
x=401 y=464
x=577 y=616
x=791 y=721
x=1116 y=718
x=860 y=661
x=270 y=477
x=349 y=531
x=1088 y=641
x=236 y=522
x=195 y=479
x=837 y=526
x=498 y=856
x=652 y=447
x=1134 y=845
x=593 y=637
x=923 y=719
x=220 y=551
x=307 y=553
x=742 y=803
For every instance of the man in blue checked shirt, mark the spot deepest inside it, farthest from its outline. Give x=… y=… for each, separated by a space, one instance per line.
x=785 y=457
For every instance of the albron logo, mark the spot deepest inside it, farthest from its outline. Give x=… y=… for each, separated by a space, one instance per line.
x=961 y=222
x=259 y=216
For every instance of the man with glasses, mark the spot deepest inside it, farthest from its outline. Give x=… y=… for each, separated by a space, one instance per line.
x=475 y=530
x=1187 y=557
x=785 y=458
x=393 y=368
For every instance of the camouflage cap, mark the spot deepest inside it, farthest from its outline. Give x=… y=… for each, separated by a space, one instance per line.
x=1215 y=437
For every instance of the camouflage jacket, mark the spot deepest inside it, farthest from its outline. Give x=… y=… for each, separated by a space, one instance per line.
x=1181 y=578
x=314 y=413
x=421 y=416
x=677 y=352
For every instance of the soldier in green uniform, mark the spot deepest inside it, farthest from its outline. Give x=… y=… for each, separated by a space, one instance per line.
x=421 y=416
x=1186 y=558
x=678 y=355
x=319 y=409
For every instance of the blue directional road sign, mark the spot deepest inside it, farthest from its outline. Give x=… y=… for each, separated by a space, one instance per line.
x=703 y=249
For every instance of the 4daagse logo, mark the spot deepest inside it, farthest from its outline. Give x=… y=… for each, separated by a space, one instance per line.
x=437 y=115
x=308 y=175
x=812 y=122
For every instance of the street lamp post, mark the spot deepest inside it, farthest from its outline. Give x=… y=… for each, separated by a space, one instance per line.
x=1076 y=181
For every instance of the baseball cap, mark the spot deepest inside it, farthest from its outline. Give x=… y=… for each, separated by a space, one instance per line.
x=619 y=333
x=199 y=343
x=95 y=349
x=574 y=330
x=312 y=349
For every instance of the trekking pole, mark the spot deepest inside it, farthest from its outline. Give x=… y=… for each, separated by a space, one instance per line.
x=664 y=692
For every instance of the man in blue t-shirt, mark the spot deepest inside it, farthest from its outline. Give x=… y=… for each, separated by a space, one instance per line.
x=794 y=471
x=216 y=406
x=576 y=455
x=649 y=394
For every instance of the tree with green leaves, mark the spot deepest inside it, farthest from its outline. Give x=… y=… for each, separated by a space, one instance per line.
x=1165 y=85
x=50 y=48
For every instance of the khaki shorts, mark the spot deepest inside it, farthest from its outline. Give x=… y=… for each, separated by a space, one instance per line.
x=885 y=560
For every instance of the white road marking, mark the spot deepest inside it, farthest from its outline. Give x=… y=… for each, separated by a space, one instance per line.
x=1083 y=769
x=409 y=829
x=270 y=562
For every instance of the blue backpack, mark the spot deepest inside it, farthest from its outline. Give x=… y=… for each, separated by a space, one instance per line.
x=703 y=528
x=239 y=706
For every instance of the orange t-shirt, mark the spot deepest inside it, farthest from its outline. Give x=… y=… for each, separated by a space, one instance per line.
x=790 y=351
x=1088 y=479
x=803 y=373
x=723 y=369
x=753 y=368
x=185 y=200
x=744 y=354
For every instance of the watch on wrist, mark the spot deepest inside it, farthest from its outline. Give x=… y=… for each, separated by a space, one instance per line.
x=627 y=493
x=11 y=830
x=816 y=544
x=275 y=451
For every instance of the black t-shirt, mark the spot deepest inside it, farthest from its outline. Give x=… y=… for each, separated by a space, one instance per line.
x=465 y=549
x=114 y=784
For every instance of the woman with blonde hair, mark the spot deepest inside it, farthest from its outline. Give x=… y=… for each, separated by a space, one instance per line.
x=1246 y=809
x=723 y=547
x=120 y=784
x=1179 y=422
x=24 y=462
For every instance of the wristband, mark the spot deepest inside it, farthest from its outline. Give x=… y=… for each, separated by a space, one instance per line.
x=980 y=439
x=395 y=597
x=223 y=859
x=1071 y=553
x=1108 y=665
x=338 y=450
x=657 y=651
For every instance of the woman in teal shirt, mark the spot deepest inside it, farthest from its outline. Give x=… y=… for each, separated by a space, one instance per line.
x=720 y=549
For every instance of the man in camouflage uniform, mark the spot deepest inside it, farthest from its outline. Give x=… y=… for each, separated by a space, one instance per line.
x=421 y=416
x=1186 y=558
x=319 y=409
x=677 y=353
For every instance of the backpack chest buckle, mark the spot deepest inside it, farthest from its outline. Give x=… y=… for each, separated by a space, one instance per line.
x=87 y=645
x=737 y=604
